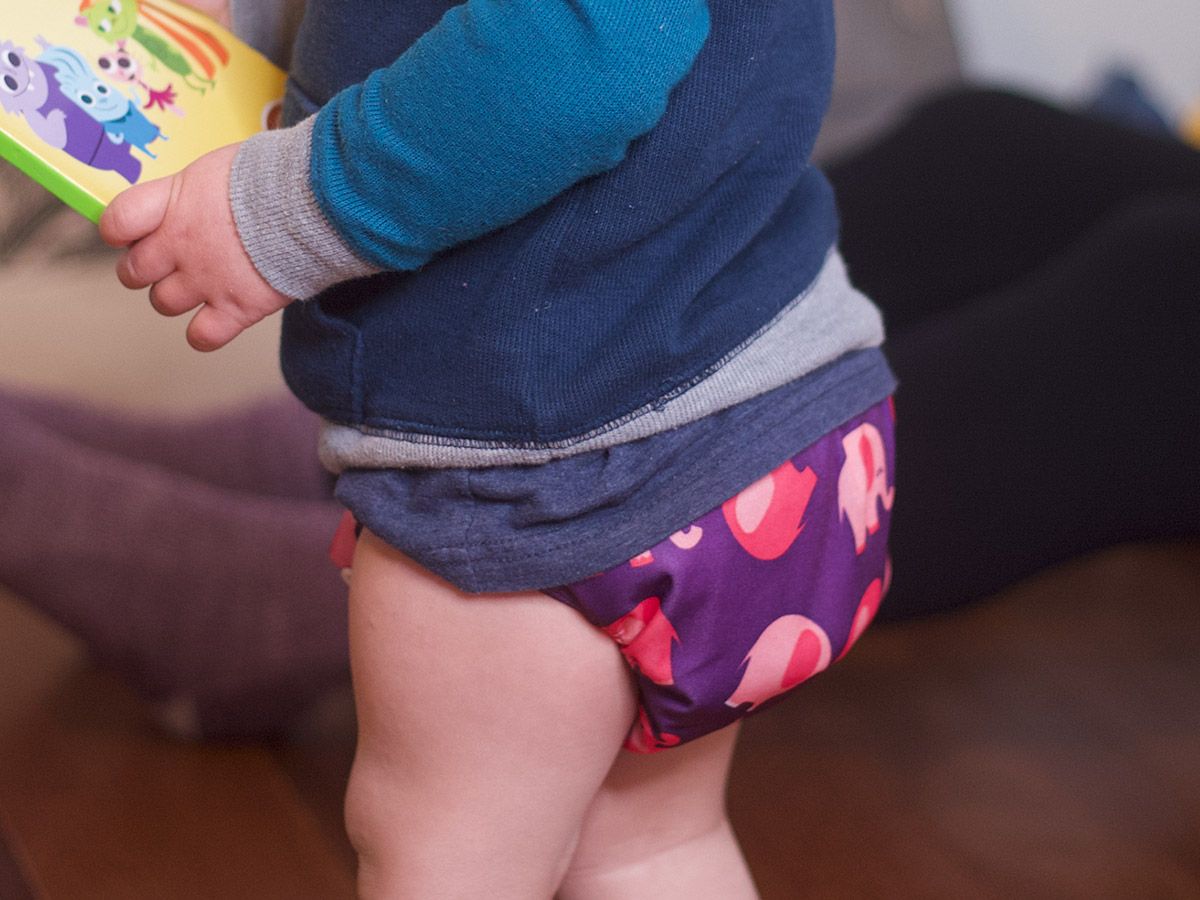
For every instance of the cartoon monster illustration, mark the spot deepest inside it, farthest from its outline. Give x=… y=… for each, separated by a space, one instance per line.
x=645 y=635
x=121 y=67
x=765 y=518
x=790 y=650
x=862 y=483
x=30 y=88
x=115 y=20
x=122 y=121
x=24 y=89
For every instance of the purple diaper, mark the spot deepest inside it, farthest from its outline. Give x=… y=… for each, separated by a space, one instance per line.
x=758 y=595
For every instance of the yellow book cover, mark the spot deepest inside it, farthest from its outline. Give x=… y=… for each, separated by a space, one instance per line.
x=101 y=94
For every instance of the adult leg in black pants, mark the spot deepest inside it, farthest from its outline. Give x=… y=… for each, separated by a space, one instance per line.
x=979 y=188
x=1040 y=274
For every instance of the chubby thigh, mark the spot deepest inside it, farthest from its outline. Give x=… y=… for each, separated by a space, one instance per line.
x=487 y=724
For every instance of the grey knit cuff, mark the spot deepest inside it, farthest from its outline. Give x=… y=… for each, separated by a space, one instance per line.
x=268 y=26
x=284 y=231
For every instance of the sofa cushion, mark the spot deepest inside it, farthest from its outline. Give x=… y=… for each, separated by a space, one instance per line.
x=889 y=53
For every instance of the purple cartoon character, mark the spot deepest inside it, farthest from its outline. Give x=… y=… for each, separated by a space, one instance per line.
x=122 y=121
x=29 y=88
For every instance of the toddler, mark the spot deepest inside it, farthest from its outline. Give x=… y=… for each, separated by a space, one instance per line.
x=612 y=423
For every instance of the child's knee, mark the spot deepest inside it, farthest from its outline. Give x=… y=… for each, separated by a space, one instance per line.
x=367 y=810
x=379 y=817
x=702 y=862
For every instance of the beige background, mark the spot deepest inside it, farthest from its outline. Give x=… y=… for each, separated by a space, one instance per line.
x=67 y=324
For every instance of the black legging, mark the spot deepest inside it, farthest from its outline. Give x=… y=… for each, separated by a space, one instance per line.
x=1039 y=273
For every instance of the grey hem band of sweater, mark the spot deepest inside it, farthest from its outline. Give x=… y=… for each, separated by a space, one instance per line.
x=278 y=220
x=829 y=319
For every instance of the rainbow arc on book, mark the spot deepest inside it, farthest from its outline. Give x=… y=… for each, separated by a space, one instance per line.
x=99 y=95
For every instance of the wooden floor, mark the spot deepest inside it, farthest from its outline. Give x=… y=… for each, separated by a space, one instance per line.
x=1045 y=744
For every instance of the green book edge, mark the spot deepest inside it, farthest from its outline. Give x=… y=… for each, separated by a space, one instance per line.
x=50 y=178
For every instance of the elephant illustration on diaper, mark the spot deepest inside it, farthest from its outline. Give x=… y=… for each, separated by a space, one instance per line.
x=767 y=517
x=790 y=650
x=863 y=483
x=645 y=636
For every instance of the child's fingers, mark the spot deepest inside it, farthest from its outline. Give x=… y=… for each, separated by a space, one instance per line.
x=135 y=212
x=212 y=328
x=173 y=296
x=143 y=264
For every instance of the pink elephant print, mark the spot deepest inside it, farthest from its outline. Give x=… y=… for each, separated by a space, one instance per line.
x=687 y=538
x=645 y=558
x=645 y=635
x=868 y=606
x=790 y=650
x=765 y=518
x=862 y=484
x=644 y=739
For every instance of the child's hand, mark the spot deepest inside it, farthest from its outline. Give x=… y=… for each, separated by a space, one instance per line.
x=182 y=240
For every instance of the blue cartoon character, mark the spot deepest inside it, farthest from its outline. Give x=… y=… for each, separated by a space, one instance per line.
x=122 y=121
x=29 y=88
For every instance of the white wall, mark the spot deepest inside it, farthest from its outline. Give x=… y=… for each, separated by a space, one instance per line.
x=1060 y=47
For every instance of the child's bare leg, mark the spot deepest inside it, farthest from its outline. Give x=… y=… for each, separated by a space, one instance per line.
x=486 y=727
x=657 y=828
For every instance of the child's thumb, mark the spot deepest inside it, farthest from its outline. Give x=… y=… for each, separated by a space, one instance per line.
x=135 y=212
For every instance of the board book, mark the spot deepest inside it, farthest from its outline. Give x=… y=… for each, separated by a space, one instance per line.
x=99 y=95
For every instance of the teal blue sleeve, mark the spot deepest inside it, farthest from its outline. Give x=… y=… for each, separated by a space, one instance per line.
x=495 y=110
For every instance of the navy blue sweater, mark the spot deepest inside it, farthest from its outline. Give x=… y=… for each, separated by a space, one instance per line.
x=611 y=296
